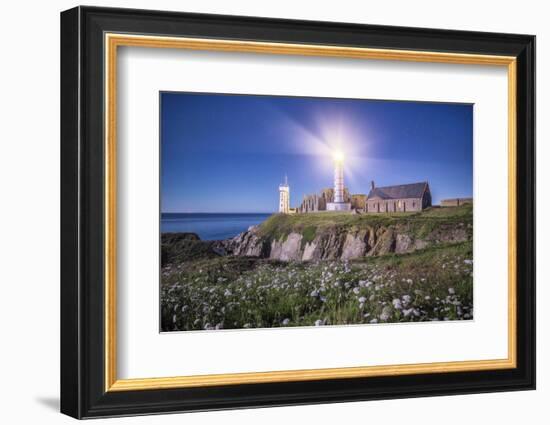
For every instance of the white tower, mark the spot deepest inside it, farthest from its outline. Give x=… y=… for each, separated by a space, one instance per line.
x=338 y=204
x=284 y=197
x=338 y=181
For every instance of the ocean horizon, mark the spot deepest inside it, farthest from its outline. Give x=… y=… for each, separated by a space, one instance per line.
x=210 y=226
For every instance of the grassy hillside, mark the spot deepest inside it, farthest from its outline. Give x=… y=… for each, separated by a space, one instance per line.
x=237 y=292
x=280 y=225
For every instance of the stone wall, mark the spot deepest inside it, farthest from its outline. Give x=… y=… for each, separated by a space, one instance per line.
x=455 y=202
x=394 y=205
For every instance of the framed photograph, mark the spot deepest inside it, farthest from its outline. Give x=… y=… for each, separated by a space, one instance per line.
x=261 y=212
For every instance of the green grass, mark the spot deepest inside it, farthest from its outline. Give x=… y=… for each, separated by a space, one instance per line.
x=308 y=234
x=236 y=292
x=278 y=226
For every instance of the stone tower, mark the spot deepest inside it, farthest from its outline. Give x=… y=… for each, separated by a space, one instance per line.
x=284 y=197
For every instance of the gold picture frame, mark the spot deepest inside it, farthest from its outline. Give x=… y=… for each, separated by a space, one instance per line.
x=113 y=41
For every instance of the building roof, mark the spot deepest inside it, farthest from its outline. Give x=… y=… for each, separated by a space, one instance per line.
x=402 y=191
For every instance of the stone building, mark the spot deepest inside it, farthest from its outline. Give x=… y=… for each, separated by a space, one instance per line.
x=318 y=202
x=359 y=202
x=400 y=198
x=455 y=202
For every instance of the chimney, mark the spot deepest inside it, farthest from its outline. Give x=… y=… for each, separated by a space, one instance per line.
x=372 y=185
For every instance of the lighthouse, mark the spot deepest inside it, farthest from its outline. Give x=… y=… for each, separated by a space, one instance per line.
x=338 y=204
x=284 y=197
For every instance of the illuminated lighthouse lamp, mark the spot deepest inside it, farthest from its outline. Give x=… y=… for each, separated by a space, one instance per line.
x=338 y=204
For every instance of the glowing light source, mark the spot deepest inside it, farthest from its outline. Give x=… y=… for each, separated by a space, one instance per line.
x=338 y=156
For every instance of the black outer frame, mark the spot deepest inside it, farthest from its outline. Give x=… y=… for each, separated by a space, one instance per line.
x=82 y=218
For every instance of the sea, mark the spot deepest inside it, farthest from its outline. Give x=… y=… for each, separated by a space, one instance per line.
x=210 y=226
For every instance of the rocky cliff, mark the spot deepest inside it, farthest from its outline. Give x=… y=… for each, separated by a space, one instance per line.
x=345 y=242
x=330 y=236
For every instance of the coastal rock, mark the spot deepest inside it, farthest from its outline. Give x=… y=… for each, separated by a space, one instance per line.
x=177 y=247
x=247 y=244
x=403 y=244
x=420 y=244
x=385 y=242
x=283 y=239
x=312 y=250
x=354 y=246
x=330 y=245
x=338 y=243
x=287 y=250
x=371 y=237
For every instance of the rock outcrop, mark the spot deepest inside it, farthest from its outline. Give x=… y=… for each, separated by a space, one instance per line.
x=305 y=237
x=343 y=243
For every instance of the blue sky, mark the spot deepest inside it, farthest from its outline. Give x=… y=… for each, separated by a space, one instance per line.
x=228 y=153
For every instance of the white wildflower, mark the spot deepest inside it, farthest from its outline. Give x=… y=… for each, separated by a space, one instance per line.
x=397 y=304
x=386 y=313
x=285 y=322
x=362 y=300
x=451 y=291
